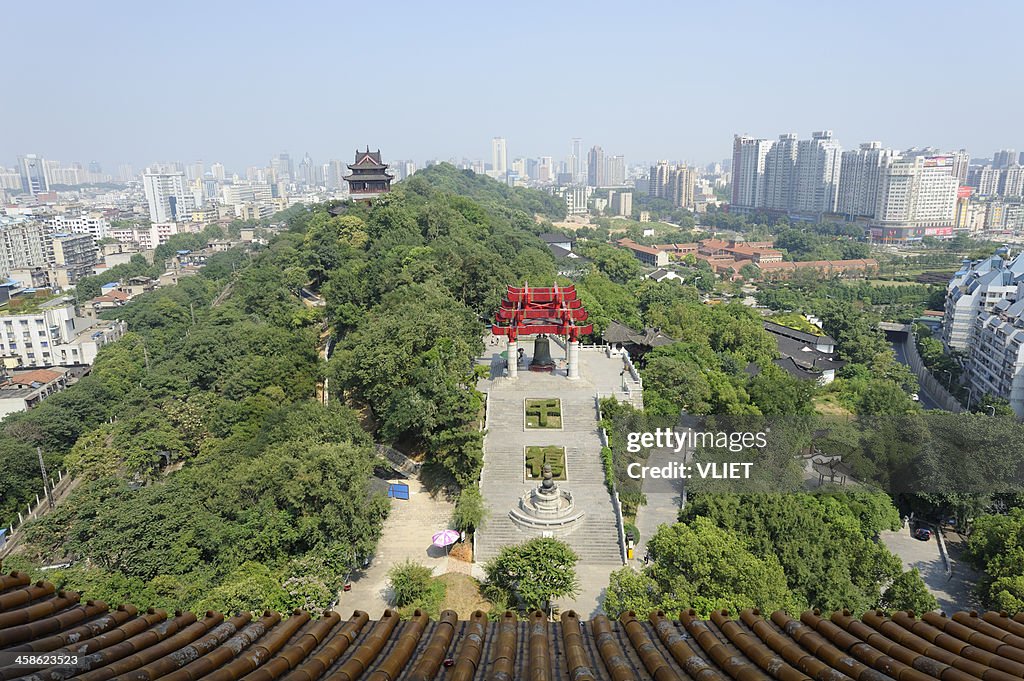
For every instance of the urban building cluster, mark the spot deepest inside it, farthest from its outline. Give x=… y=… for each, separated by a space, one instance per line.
x=898 y=196
x=901 y=196
x=983 y=322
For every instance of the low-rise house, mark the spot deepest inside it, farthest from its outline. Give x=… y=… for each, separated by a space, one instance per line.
x=22 y=390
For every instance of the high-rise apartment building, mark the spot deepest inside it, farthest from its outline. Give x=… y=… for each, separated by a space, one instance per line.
x=859 y=177
x=680 y=187
x=575 y=164
x=71 y=257
x=748 y=166
x=281 y=165
x=916 y=198
x=977 y=287
x=34 y=178
x=1004 y=158
x=595 y=167
x=961 y=164
x=615 y=171
x=170 y=198
x=780 y=174
x=499 y=156
x=994 y=363
x=22 y=245
x=817 y=174
x=1011 y=181
x=657 y=181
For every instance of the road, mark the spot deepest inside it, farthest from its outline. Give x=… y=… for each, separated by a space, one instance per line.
x=954 y=592
x=927 y=401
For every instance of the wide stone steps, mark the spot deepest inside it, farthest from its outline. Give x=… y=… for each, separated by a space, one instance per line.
x=595 y=541
x=596 y=538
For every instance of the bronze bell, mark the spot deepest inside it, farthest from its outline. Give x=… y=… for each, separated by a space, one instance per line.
x=542 y=354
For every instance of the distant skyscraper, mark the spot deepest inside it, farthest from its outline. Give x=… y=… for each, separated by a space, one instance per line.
x=595 y=167
x=34 y=179
x=499 y=156
x=217 y=169
x=780 y=173
x=576 y=158
x=169 y=196
x=546 y=169
x=1004 y=158
x=615 y=171
x=307 y=172
x=196 y=170
x=126 y=173
x=859 y=177
x=282 y=167
x=95 y=167
x=961 y=163
x=817 y=173
x=748 y=164
x=658 y=180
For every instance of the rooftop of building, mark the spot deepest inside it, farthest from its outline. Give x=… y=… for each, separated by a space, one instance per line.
x=749 y=645
x=617 y=332
x=803 y=336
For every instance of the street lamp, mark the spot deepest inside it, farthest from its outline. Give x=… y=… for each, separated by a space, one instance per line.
x=949 y=377
x=970 y=394
x=993 y=408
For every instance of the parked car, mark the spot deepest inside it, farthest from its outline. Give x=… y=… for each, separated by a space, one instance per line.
x=923 y=533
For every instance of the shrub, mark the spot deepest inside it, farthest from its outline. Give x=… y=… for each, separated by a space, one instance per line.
x=609 y=468
x=410 y=581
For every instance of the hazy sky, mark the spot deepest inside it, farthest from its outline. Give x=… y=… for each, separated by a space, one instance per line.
x=239 y=81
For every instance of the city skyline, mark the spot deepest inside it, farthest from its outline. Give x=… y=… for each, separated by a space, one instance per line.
x=312 y=102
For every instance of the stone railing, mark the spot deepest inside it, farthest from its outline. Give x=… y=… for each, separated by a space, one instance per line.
x=40 y=508
x=620 y=523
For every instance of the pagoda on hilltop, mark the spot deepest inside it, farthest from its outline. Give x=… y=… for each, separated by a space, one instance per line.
x=370 y=177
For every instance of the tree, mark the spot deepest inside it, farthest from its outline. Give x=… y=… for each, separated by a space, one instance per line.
x=470 y=511
x=908 y=592
x=699 y=565
x=631 y=591
x=530 y=575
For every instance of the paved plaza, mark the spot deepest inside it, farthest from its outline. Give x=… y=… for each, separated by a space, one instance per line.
x=952 y=592
x=405 y=536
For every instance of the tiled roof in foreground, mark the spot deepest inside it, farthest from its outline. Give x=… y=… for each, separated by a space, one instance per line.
x=125 y=644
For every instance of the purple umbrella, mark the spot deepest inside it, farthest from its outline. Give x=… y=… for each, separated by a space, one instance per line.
x=445 y=538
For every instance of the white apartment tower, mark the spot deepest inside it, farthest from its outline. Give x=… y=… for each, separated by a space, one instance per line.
x=748 y=165
x=780 y=173
x=916 y=198
x=860 y=174
x=817 y=173
x=499 y=156
x=974 y=289
x=169 y=195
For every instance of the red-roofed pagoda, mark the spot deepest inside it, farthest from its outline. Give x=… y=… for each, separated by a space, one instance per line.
x=369 y=176
x=542 y=311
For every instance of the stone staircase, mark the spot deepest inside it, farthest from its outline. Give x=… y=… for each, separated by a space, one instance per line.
x=596 y=538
